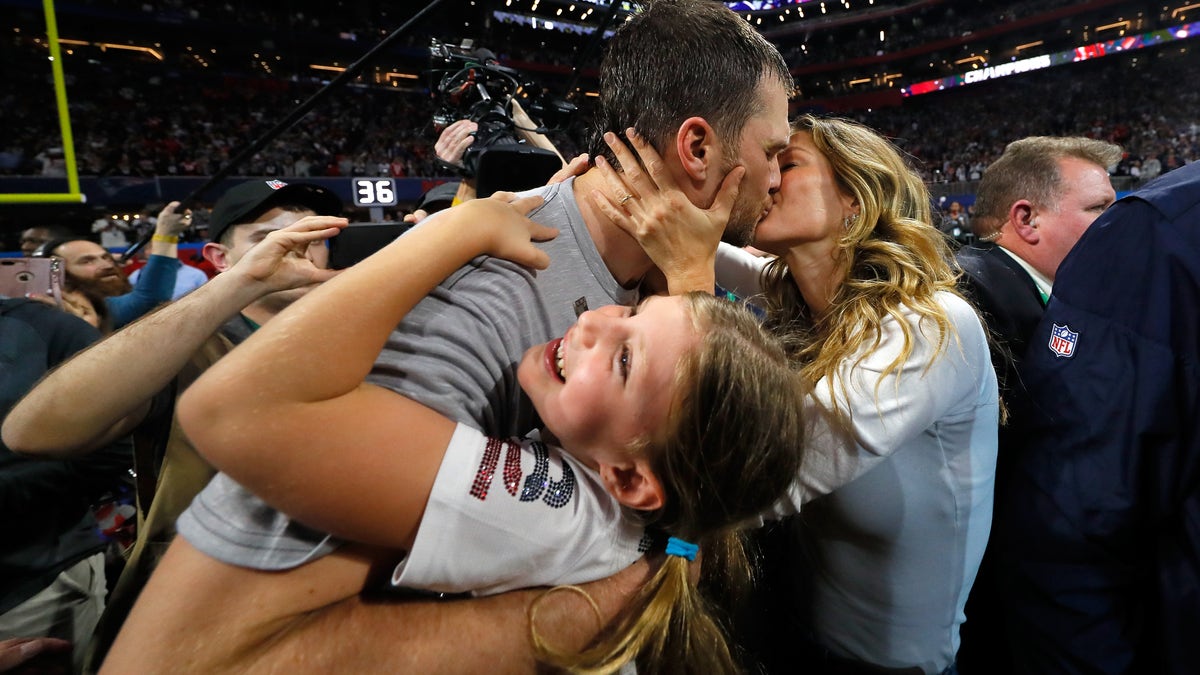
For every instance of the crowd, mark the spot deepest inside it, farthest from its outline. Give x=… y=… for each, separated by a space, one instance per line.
x=736 y=335
x=954 y=135
x=189 y=125
x=902 y=38
x=140 y=121
x=133 y=119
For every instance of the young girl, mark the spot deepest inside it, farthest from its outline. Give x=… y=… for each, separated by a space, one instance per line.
x=681 y=410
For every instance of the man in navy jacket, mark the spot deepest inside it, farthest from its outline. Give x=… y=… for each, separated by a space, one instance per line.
x=1034 y=203
x=1099 y=532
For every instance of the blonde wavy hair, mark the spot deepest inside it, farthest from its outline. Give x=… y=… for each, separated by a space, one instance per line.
x=893 y=258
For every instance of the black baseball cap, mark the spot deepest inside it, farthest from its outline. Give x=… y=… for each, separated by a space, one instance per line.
x=242 y=203
x=438 y=197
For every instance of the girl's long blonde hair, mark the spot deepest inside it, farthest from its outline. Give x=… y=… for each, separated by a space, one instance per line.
x=894 y=259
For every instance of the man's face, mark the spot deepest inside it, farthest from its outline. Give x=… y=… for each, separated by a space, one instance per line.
x=245 y=236
x=33 y=238
x=1086 y=193
x=763 y=137
x=89 y=264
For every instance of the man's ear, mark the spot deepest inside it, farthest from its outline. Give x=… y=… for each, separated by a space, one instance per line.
x=216 y=254
x=633 y=484
x=1024 y=223
x=698 y=149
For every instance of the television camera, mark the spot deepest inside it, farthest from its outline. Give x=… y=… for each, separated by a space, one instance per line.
x=471 y=84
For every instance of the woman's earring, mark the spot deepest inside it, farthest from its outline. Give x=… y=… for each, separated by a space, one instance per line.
x=849 y=220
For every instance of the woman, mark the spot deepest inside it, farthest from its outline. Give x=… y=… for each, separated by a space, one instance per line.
x=667 y=409
x=903 y=389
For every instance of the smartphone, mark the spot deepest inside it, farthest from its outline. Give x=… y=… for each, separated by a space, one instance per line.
x=22 y=276
x=357 y=241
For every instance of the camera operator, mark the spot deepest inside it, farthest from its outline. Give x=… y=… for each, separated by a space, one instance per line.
x=455 y=139
x=488 y=136
x=459 y=136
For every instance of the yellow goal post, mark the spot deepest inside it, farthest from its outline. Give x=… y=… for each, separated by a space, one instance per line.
x=73 y=195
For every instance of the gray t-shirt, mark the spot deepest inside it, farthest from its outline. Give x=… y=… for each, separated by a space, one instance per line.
x=457 y=351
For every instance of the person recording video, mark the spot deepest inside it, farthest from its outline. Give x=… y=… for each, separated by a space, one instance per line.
x=486 y=134
x=460 y=136
x=98 y=291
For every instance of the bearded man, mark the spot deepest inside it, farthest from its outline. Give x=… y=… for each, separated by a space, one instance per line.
x=96 y=289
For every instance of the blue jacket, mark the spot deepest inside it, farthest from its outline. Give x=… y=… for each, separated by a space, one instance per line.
x=155 y=286
x=1099 y=527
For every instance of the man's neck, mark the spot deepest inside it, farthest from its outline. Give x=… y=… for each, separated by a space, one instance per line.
x=1043 y=281
x=623 y=256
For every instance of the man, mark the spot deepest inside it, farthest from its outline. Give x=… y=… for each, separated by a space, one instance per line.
x=52 y=560
x=1099 y=532
x=1033 y=204
x=704 y=121
x=128 y=383
x=33 y=237
x=955 y=223
x=92 y=272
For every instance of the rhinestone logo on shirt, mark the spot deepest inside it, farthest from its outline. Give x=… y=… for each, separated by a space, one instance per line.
x=538 y=484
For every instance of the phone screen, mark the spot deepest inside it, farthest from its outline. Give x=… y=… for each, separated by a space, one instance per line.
x=359 y=240
x=20 y=277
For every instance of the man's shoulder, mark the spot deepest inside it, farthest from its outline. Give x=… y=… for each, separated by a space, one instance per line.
x=213 y=349
x=47 y=320
x=990 y=270
x=980 y=259
x=1173 y=193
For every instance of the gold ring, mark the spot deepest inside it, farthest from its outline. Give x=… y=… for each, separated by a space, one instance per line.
x=625 y=199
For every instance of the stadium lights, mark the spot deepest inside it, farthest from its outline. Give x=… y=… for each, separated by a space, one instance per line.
x=110 y=45
x=1180 y=10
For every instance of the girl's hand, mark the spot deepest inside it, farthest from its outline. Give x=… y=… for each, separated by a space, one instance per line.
x=505 y=230
x=680 y=238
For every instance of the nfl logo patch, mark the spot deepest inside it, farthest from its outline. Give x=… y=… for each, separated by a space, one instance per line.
x=275 y=184
x=1063 y=340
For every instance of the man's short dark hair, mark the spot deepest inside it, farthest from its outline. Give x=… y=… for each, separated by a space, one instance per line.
x=677 y=59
